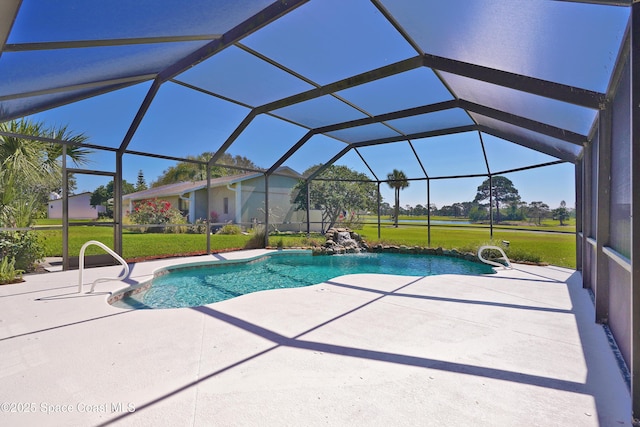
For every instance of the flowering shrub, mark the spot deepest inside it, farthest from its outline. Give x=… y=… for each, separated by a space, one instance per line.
x=214 y=216
x=154 y=211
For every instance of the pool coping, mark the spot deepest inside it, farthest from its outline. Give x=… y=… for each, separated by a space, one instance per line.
x=130 y=290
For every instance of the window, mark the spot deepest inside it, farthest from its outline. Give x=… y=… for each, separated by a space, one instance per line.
x=226 y=205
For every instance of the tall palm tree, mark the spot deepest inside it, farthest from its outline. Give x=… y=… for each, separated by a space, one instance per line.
x=30 y=168
x=398 y=181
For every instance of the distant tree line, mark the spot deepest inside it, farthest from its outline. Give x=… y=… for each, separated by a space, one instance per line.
x=507 y=205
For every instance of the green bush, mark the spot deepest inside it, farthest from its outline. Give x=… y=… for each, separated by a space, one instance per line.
x=25 y=247
x=257 y=239
x=176 y=217
x=198 y=227
x=8 y=272
x=521 y=255
x=230 y=229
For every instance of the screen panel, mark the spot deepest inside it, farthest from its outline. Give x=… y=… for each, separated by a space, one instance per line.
x=318 y=112
x=23 y=72
x=202 y=123
x=40 y=21
x=105 y=119
x=410 y=89
x=575 y=39
x=445 y=119
x=544 y=110
x=383 y=158
x=333 y=40
x=236 y=74
x=451 y=155
x=621 y=193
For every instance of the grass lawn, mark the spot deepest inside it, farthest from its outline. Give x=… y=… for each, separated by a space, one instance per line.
x=553 y=248
x=136 y=245
x=545 y=225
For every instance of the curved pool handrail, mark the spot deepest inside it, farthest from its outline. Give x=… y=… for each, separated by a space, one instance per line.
x=102 y=279
x=493 y=263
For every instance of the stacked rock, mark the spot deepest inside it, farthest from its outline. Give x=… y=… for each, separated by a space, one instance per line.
x=342 y=241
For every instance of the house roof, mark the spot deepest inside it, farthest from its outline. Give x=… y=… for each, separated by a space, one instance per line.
x=73 y=195
x=180 y=188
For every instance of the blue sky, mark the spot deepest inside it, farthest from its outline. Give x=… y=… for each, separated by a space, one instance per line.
x=183 y=122
x=105 y=120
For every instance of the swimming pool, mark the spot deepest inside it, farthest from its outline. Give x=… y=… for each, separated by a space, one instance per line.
x=191 y=286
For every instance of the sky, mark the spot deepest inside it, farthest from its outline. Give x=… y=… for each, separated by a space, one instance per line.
x=105 y=120
x=182 y=122
x=204 y=122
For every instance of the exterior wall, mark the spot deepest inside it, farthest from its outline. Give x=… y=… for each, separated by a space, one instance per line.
x=79 y=208
x=246 y=205
x=199 y=206
x=251 y=201
x=282 y=213
x=217 y=204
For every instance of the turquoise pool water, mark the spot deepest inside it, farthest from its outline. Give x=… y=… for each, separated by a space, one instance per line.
x=191 y=287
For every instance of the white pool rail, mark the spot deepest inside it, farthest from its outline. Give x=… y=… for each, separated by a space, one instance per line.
x=123 y=276
x=507 y=264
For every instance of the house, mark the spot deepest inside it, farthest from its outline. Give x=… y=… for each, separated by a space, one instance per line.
x=79 y=207
x=237 y=199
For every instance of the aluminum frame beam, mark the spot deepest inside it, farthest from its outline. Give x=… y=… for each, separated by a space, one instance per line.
x=548 y=89
x=8 y=12
x=80 y=44
x=525 y=123
x=563 y=155
x=635 y=213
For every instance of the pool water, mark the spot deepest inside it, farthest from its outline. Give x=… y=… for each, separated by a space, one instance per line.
x=191 y=287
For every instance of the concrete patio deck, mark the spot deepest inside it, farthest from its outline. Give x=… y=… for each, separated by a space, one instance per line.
x=516 y=348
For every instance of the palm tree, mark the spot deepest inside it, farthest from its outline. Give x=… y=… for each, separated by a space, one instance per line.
x=30 y=168
x=398 y=181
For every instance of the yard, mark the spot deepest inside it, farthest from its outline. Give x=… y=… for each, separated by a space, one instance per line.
x=548 y=247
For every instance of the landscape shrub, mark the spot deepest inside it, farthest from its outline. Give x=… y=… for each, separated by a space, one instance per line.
x=8 y=272
x=25 y=247
x=198 y=227
x=154 y=211
x=257 y=238
x=230 y=229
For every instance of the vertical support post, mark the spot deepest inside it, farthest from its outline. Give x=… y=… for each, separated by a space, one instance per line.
x=208 y=200
x=238 y=203
x=587 y=213
x=308 y=184
x=379 y=210
x=579 y=209
x=65 y=210
x=117 y=205
x=603 y=214
x=266 y=210
x=635 y=213
x=428 y=212
x=491 y=207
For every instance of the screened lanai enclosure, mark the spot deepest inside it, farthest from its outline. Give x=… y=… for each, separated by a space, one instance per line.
x=251 y=103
